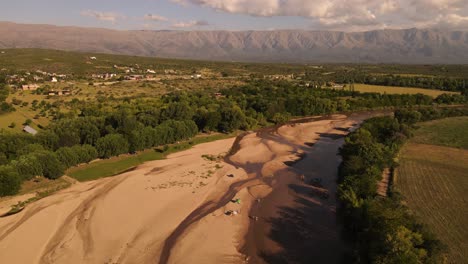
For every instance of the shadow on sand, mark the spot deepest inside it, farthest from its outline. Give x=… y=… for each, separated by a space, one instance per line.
x=306 y=232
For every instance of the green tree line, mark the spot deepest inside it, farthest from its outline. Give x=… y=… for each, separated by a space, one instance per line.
x=108 y=128
x=381 y=229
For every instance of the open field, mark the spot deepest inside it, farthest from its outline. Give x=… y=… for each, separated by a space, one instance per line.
x=434 y=182
x=365 y=88
x=450 y=132
x=19 y=117
x=117 y=165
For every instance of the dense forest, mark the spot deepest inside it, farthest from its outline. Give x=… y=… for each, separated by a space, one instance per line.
x=381 y=229
x=107 y=128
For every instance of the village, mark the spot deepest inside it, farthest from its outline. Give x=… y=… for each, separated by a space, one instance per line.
x=59 y=84
x=44 y=82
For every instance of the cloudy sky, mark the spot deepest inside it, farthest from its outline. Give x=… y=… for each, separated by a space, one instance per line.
x=347 y=15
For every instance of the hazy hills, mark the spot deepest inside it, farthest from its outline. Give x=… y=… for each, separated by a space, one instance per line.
x=382 y=46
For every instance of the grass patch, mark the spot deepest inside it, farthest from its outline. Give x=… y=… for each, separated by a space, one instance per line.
x=43 y=187
x=450 y=132
x=365 y=88
x=41 y=184
x=117 y=165
x=19 y=117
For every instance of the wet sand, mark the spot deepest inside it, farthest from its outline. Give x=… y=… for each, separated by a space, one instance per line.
x=297 y=221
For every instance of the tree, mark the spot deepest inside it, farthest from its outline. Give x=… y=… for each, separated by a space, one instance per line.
x=178 y=111
x=407 y=116
x=281 y=118
x=27 y=122
x=112 y=145
x=232 y=118
x=12 y=125
x=402 y=246
x=48 y=139
x=30 y=148
x=85 y=153
x=28 y=166
x=67 y=156
x=52 y=168
x=10 y=181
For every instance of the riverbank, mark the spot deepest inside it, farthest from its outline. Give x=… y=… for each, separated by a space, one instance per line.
x=174 y=210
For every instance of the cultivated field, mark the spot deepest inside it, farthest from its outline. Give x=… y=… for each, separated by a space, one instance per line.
x=364 y=88
x=434 y=181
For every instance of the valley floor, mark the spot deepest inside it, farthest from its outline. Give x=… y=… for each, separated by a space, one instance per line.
x=174 y=210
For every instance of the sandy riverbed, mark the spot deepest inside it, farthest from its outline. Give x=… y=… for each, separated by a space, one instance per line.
x=173 y=210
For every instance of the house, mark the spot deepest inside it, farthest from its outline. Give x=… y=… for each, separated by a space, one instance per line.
x=150 y=71
x=54 y=80
x=41 y=72
x=30 y=130
x=134 y=77
x=93 y=58
x=29 y=87
x=196 y=76
x=150 y=78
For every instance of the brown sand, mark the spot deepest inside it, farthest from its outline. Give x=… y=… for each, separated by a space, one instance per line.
x=173 y=210
x=122 y=219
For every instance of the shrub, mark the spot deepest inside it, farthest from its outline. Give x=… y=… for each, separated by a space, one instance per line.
x=112 y=145
x=10 y=181
x=52 y=168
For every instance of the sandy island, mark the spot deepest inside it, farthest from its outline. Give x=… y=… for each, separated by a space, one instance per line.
x=174 y=210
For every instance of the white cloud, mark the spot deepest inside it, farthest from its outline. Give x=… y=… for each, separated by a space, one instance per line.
x=103 y=16
x=352 y=14
x=194 y=23
x=151 y=17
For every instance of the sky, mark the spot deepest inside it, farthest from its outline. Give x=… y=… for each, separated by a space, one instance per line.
x=342 y=15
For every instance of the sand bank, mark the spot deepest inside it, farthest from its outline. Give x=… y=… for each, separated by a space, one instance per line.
x=173 y=210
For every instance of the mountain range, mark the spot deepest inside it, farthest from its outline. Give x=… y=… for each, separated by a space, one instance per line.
x=408 y=46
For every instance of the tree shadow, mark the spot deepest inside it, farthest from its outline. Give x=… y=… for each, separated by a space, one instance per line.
x=307 y=231
x=333 y=136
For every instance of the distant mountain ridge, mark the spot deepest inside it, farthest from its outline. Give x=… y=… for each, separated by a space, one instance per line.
x=422 y=46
